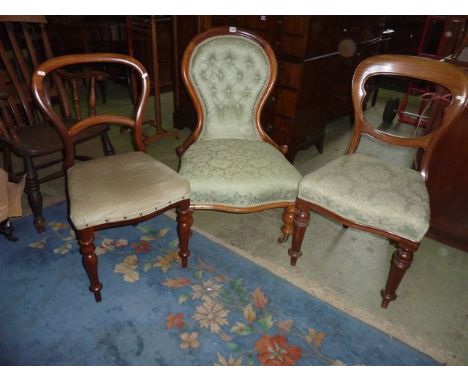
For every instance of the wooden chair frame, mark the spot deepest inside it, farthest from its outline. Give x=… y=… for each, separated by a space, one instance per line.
x=289 y=208
x=86 y=236
x=444 y=74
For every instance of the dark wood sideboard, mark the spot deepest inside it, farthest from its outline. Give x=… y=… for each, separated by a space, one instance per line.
x=314 y=78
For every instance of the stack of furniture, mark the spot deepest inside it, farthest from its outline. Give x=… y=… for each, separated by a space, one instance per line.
x=24 y=44
x=147 y=38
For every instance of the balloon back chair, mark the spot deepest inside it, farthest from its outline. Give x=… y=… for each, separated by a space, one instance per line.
x=114 y=190
x=231 y=163
x=370 y=194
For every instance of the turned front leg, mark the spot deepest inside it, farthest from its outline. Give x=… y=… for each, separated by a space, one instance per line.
x=90 y=260
x=401 y=261
x=184 y=222
x=301 y=221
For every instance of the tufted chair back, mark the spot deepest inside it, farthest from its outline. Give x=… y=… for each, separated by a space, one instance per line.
x=229 y=73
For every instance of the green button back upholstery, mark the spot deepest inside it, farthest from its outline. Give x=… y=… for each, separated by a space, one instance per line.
x=229 y=74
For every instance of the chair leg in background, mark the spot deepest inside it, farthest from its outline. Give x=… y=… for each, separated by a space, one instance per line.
x=7 y=164
x=288 y=221
x=401 y=261
x=131 y=89
x=103 y=86
x=107 y=144
x=184 y=222
x=301 y=221
x=319 y=144
x=90 y=260
x=34 y=194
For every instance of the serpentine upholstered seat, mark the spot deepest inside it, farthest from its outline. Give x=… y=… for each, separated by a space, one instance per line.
x=366 y=192
x=238 y=173
x=230 y=162
x=135 y=185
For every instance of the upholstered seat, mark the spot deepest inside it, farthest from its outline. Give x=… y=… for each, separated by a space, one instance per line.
x=238 y=173
x=368 y=191
x=121 y=187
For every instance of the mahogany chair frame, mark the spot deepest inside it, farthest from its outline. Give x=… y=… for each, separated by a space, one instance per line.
x=86 y=236
x=450 y=77
x=19 y=111
x=289 y=208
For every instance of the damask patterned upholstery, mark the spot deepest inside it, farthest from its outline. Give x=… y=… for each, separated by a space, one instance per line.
x=238 y=173
x=137 y=185
x=229 y=74
x=366 y=190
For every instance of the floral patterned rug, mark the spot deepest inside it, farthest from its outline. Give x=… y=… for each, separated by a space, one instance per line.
x=222 y=310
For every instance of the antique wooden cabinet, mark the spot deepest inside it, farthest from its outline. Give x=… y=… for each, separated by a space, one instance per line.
x=448 y=187
x=316 y=56
x=448 y=177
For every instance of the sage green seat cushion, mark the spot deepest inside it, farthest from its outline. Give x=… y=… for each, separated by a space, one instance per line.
x=368 y=191
x=238 y=173
x=121 y=187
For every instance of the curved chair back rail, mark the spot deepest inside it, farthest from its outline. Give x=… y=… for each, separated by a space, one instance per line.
x=257 y=44
x=441 y=73
x=67 y=134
